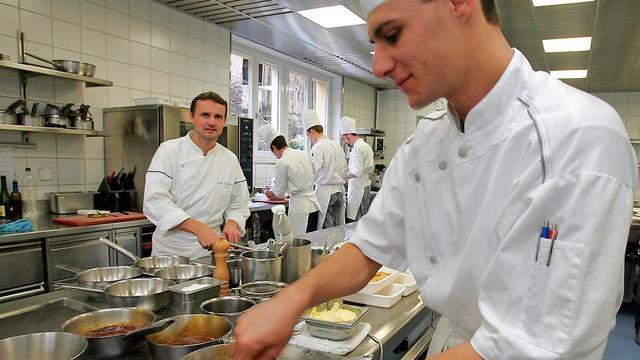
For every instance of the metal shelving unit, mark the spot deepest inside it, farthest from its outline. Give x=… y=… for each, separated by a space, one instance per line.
x=33 y=70
x=43 y=129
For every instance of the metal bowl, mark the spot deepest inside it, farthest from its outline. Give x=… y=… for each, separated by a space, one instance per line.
x=230 y=307
x=46 y=345
x=184 y=272
x=102 y=276
x=150 y=293
x=217 y=352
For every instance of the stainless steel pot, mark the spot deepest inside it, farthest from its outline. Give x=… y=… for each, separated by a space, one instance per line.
x=217 y=328
x=114 y=345
x=297 y=260
x=317 y=256
x=260 y=265
x=235 y=272
x=260 y=291
x=217 y=352
x=184 y=272
x=30 y=120
x=100 y=277
x=148 y=264
x=55 y=121
x=78 y=123
x=230 y=307
x=146 y=293
x=7 y=118
x=70 y=66
x=46 y=345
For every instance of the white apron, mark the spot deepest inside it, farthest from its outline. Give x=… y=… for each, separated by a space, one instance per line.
x=354 y=196
x=445 y=338
x=300 y=205
x=323 y=194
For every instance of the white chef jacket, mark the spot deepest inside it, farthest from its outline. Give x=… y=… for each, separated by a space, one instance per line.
x=464 y=211
x=330 y=167
x=181 y=183
x=294 y=175
x=360 y=165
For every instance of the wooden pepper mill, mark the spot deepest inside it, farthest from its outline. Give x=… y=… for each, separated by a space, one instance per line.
x=220 y=248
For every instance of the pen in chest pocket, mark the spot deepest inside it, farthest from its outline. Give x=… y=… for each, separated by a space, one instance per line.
x=543 y=234
x=554 y=236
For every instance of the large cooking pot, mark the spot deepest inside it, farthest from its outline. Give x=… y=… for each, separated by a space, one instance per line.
x=205 y=329
x=230 y=307
x=184 y=272
x=148 y=264
x=147 y=293
x=102 y=276
x=46 y=345
x=115 y=331
x=258 y=265
x=70 y=66
x=8 y=116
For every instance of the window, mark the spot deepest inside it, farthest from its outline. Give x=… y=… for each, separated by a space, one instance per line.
x=267 y=99
x=240 y=97
x=297 y=105
x=320 y=100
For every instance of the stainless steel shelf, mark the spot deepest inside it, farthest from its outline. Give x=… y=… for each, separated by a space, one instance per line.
x=54 y=130
x=39 y=70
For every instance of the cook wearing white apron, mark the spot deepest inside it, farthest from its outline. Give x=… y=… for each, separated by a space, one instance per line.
x=294 y=175
x=330 y=167
x=181 y=183
x=360 y=167
x=464 y=211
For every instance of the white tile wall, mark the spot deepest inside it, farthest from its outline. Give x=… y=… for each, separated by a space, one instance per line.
x=145 y=48
x=359 y=102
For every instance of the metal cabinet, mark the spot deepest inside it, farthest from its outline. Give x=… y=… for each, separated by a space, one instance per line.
x=83 y=251
x=129 y=238
x=23 y=270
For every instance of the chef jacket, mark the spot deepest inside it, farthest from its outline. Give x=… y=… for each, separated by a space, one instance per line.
x=181 y=183
x=294 y=175
x=464 y=211
x=360 y=165
x=330 y=167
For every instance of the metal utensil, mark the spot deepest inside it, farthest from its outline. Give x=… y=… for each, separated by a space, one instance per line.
x=184 y=272
x=70 y=66
x=150 y=264
x=242 y=247
x=46 y=345
x=102 y=276
x=230 y=307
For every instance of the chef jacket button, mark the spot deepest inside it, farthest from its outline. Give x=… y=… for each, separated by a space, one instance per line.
x=416 y=177
x=433 y=259
x=442 y=165
x=462 y=152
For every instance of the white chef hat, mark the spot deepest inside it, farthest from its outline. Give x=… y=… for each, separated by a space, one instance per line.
x=348 y=125
x=268 y=133
x=310 y=118
x=369 y=5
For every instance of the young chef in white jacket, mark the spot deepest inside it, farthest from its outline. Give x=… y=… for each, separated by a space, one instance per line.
x=464 y=198
x=360 y=167
x=330 y=168
x=294 y=175
x=195 y=185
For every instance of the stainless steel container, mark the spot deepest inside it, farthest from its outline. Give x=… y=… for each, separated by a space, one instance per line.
x=46 y=345
x=7 y=118
x=70 y=202
x=235 y=272
x=187 y=298
x=317 y=256
x=333 y=330
x=260 y=265
x=230 y=307
x=184 y=272
x=297 y=259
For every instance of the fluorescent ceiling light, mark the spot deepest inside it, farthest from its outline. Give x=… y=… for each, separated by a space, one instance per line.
x=332 y=16
x=557 y=2
x=569 y=74
x=566 y=45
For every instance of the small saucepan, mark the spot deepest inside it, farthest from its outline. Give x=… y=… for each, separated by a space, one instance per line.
x=70 y=66
x=100 y=277
x=151 y=264
x=113 y=332
x=184 y=272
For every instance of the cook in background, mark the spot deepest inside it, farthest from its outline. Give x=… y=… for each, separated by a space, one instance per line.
x=294 y=175
x=330 y=168
x=464 y=198
x=195 y=185
x=360 y=167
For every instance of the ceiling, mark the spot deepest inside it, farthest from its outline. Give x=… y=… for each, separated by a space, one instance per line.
x=613 y=62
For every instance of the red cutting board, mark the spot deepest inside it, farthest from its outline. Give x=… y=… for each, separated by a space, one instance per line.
x=283 y=202
x=84 y=220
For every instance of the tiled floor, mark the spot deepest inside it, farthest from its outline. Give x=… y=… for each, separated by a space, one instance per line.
x=621 y=345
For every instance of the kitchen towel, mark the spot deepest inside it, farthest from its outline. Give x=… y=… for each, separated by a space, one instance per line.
x=343 y=347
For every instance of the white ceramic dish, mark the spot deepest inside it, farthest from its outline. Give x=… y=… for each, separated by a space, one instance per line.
x=375 y=286
x=385 y=298
x=408 y=282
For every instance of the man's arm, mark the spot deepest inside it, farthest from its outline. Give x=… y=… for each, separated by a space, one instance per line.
x=461 y=352
x=237 y=211
x=264 y=330
x=204 y=233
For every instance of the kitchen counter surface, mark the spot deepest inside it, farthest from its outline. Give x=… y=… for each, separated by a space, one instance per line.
x=43 y=226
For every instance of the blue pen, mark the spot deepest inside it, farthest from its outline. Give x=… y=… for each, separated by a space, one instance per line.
x=544 y=234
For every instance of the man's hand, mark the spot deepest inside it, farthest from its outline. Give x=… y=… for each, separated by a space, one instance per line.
x=349 y=176
x=203 y=233
x=270 y=195
x=231 y=231
x=264 y=330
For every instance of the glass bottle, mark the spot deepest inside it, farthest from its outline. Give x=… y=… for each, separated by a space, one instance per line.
x=29 y=198
x=4 y=200
x=16 y=202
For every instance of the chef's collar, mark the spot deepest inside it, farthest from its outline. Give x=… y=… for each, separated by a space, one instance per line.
x=500 y=97
x=193 y=146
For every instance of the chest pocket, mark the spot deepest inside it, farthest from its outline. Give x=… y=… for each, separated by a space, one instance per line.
x=222 y=192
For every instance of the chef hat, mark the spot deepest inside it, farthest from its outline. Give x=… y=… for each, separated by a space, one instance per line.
x=268 y=133
x=310 y=118
x=369 y=5
x=348 y=125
